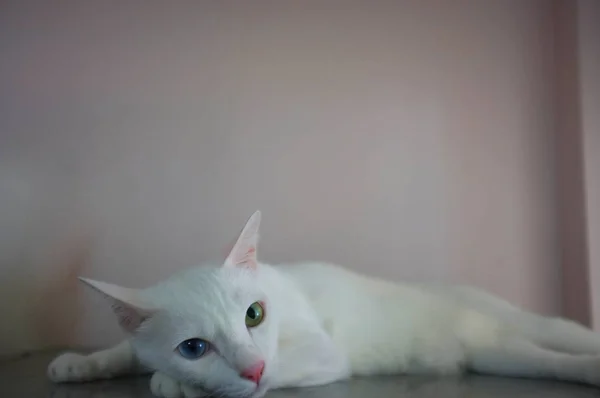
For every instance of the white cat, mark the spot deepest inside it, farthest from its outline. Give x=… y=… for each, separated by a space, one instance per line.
x=243 y=328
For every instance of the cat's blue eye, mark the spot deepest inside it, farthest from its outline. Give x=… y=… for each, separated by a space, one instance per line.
x=193 y=348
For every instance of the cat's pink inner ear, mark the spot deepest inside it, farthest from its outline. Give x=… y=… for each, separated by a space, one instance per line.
x=243 y=253
x=125 y=303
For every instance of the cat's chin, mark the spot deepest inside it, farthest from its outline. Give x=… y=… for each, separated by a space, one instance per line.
x=252 y=392
x=257 y=392
x=260 y=392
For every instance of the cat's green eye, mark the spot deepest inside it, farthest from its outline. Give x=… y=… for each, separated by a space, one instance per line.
x=254 y=315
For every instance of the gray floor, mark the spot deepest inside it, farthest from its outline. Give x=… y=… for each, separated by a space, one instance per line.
x=26 y=378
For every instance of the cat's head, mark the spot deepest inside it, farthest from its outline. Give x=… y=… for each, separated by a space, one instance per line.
x=212 y=327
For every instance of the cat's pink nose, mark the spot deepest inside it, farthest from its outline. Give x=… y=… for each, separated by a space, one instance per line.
x=254 y=373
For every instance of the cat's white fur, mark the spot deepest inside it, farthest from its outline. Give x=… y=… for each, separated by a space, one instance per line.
x=323 y=324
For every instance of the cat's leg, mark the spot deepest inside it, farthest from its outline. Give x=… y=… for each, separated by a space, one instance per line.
x=164 y=386
x=105 y=364
x=309 y=359
x=517 y=357
x=559 y=334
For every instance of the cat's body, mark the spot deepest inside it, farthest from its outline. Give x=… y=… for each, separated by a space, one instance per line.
x=322 y=323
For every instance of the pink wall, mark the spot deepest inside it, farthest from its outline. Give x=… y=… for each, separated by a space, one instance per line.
x=578 y=159
x=589 y=55
x=408 y=139
x=572 y=210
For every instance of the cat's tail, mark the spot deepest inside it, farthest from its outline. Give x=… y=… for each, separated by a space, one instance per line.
x=513 y=356
x=496 y=347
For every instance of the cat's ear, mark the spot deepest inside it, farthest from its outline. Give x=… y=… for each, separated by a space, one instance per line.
x=243 y=253
x=130 y=310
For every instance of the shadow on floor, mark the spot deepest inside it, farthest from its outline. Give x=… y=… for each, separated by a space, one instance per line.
x=26 y=377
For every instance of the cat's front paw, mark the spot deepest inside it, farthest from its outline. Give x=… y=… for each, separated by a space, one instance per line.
x=72 y=367
x=164 y=386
